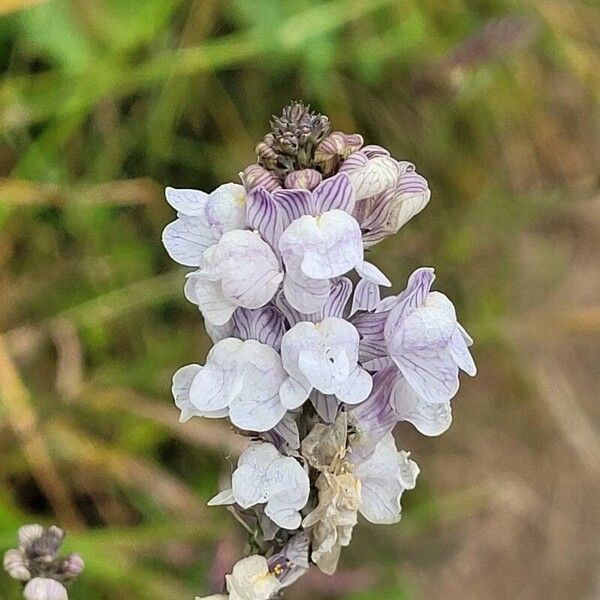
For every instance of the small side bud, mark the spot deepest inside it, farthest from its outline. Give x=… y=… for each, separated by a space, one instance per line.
x=15 y=566
x=29 y=533
x=255 y=175
x=72 y=567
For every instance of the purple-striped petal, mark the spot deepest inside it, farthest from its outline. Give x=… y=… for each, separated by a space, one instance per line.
x=264 y=215
x=326 y=405
x=264 y=324
x=335 y=192
x=294 y=204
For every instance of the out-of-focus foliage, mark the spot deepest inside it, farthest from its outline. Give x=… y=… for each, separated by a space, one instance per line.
x=104 y=102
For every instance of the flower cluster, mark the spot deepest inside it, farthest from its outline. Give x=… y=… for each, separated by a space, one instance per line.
x=37 y=564
x=308 y=361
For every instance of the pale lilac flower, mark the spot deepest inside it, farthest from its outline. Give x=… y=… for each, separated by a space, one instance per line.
x=385 y=213
x=264 y=476
x=323 y=356
x=314 y=233
x=239 y=270
x=42 y=588
x=425 y=340
x=201 y=220
x=240 y=378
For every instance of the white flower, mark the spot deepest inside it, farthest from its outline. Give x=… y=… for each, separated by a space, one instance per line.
x=240 y=378
x=201 y=220
x=425 y=340
x=384 y=476
x=251 y=579
x=264 y=476
x=239 y=270
x=41 y=588
x=323 y=356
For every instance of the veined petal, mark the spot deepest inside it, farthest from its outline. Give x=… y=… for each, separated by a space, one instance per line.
x=187 y=202
x=264 y=324
x=413 y=297
x=264 y=215
x=377 y=175
x=429 y=419
x=326 y=405
x=433 y=375
x=186 y=239
x=226 y=209
x=366 y=296
x=460 y=353
x=356 y=387
x=334 y=193
x=328 y=246
x=305 y=294
x=294 y=204
x=250 y=270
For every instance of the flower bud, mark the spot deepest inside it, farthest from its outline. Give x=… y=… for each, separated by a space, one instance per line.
x=307 y=179
x=29 y=533
x=73 y=566
x=15 y=566
x=42 y=588
x=255 y=175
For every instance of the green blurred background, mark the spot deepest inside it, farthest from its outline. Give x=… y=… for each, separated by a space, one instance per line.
x=104 y=102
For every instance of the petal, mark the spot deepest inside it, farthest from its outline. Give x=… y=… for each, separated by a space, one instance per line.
x=249 y=480
x=460 y=353
x=187 y=202
x=226 y=209
x=41 y=588
x=432 y=375
x=382 y=483
x=182 y=381
x=294 y=204
x=371 y=273
x=250 y=269
x=251 y=413
x=257 y=406
x=356 y=387
x=222 y=498
x=326 y=405
x=293 y=392
x=366 y=296
x=186 y=239
x=338 y=298
x=413 y=297
x=304 y=294
x=327 y=246
x=377 y=175
x=264 y=215
x=216 y=307
x=264 y=324
x=334 y=193
x=375 y=417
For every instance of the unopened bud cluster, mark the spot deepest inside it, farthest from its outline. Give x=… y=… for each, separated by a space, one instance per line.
x=37 y=563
